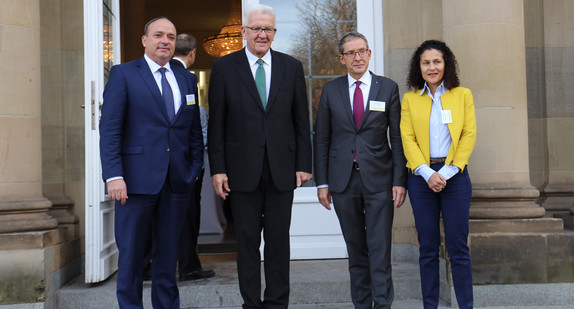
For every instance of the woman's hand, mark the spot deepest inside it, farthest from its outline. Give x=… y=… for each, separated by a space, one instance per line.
x=437 y=182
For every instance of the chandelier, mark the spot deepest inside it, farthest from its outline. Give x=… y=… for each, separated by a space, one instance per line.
x=229 y=38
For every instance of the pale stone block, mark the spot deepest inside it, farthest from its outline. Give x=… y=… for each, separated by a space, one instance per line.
x=408 y=23
x=20 y=58
x=559 y=24
x=397 y=63
x=20 y=13
x=20 y=158
x=500 y=180
x=496 y=70
x=22 y=275
x=510 y=146
x=459 y=13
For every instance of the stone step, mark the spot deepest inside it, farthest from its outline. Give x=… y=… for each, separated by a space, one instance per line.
x=312 y=282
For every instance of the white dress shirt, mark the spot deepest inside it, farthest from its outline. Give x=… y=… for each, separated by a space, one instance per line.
x=252 y=60
x=154 y=67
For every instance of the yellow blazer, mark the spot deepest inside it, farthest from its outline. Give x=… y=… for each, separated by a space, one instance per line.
x=415 y=123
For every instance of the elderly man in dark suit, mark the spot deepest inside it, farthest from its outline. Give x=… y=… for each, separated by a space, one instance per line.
x=259 y=152
x=151 y=152
x=355 y=165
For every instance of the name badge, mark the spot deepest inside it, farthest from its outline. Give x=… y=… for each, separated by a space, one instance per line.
x=378 y=106
x=190 y=98
x=446 y=116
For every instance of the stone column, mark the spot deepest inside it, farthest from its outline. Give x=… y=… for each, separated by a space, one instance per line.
x=487 y=38
x=25 y=227
x=22 y=206
x=510 y=241
x=557 y=194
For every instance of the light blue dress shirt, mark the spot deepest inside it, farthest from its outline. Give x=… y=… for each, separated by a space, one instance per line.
x=439 y=136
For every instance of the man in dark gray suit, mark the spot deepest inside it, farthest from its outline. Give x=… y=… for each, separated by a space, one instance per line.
x=359 y=161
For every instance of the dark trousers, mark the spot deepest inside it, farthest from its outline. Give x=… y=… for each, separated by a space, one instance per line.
x=366 y=220
x=162 y=215
x=188 y=259
x=453 y=202
x=266 y=209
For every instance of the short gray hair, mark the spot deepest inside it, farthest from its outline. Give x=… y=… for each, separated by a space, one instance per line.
x=349 y=36
x=259 y=8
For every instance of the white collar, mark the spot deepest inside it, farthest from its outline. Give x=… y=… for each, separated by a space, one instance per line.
x=154 y=66
x=365 y=79
x=251 y=58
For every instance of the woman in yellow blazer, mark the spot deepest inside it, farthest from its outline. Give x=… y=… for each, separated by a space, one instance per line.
x=438 y=130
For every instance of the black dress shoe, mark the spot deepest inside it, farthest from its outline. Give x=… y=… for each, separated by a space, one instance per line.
x=197 y=274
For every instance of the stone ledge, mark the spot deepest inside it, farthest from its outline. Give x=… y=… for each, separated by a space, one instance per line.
x=30 y=240
x=540 y=225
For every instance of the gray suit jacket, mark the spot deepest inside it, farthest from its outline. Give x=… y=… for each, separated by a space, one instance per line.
x=377 y=141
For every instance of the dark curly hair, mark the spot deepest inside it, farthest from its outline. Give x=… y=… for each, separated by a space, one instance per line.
x=415 y=79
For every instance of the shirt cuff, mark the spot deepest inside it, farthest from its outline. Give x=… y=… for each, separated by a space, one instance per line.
x=447 y=171
x=425 y=171
x=322 y=186
x=114 y=178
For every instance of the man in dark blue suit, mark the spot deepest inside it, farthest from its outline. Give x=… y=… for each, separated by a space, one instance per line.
x=151 y=151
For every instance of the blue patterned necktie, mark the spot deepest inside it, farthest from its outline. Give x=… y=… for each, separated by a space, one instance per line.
x=167 y=95
x=260 y=82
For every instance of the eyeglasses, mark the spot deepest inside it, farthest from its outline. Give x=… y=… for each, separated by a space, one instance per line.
x=362 y=53
x=258 y=30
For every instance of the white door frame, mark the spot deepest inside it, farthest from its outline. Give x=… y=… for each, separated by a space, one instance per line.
x=101 y=253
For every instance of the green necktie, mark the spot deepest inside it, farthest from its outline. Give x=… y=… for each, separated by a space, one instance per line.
x=260 y=82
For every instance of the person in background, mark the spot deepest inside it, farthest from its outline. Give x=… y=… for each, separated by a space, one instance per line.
x=259 y=152
x=361 y=168
x=151 y=153
x=438 y=128
x=189 y=263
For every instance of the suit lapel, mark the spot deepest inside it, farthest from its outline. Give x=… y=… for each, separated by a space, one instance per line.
x=277 y=68
x=183 y=91
x=148 y=79
x=245 y=75
x=346 y=102
x=375 y=86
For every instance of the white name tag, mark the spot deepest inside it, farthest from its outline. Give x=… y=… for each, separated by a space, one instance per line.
x=446 y=116
x=378 y=106
x=190 y=98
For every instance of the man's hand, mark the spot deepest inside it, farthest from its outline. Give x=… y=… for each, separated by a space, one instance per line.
x=324 y=197
x=437 y=182
x=220 y=185
x=399 y=195
x=303 y=177
x=118 y=190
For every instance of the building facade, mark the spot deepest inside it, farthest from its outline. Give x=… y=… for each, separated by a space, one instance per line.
x=515 y=55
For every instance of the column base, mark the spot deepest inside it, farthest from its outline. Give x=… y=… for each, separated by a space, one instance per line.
x=27 y=215
x=497 y=203
x=34 y=265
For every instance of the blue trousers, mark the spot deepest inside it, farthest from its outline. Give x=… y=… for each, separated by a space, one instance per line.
x=157 y=216
x=454 y=204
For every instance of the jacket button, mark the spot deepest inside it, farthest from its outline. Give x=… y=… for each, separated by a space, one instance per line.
x=167 y=149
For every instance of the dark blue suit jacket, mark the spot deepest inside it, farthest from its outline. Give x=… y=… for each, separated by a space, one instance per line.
x=138 y=142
